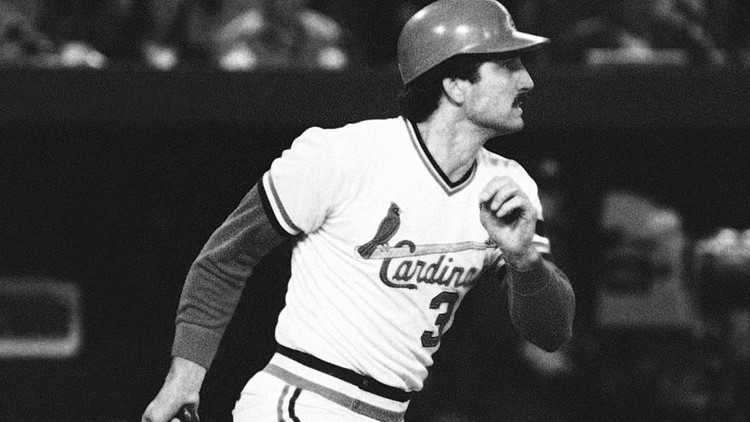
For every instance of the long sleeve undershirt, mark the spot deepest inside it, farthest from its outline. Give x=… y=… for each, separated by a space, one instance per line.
x=217 y=277
x=541 y=299
x=542 y=305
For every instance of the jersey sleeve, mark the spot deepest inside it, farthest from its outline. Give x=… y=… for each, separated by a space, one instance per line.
x=301 y=185
x=540 y=240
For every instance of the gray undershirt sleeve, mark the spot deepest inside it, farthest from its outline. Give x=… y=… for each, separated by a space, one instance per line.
x=217 y=277
x=542 y=305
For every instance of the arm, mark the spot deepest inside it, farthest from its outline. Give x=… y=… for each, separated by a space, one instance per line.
x=216 y=279
x=542 y=303
x=182 y=386
x=210 y=295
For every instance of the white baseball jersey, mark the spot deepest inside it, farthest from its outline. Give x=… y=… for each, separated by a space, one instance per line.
x=388 y=246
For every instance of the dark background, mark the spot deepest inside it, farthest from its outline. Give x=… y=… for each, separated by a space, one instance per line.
x=114 y=180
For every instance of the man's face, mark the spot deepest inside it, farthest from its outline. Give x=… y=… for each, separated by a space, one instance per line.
x=494 y=101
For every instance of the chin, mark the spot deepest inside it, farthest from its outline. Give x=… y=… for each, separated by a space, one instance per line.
x=508 y=129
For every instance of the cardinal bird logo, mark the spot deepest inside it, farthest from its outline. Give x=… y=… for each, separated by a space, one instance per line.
x=387 y=228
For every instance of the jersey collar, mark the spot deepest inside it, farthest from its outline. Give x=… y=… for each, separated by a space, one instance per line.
x=431 y=165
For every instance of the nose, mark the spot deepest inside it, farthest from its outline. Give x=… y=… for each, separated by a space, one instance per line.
x=525 y=82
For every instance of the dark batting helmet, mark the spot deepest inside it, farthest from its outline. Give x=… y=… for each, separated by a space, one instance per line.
x=446 y=28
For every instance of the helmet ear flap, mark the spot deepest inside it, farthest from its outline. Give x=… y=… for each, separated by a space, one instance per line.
x=446 y=28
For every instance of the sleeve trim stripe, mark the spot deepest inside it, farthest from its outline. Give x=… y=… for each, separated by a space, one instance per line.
x=266 y=203
x=279 y=213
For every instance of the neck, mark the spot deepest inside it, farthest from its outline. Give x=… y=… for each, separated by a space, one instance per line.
x=451 y=145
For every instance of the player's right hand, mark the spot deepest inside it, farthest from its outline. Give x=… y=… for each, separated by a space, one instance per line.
x=181 y=387
x=164 y=411
x=509 y=217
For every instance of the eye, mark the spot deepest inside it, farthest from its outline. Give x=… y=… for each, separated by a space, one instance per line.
x=514 y=64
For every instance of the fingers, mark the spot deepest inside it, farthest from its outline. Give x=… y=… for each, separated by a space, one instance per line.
x=188 y=413
x=511 y=210
x=182 y=387
x=505 y=199
x=161 y=411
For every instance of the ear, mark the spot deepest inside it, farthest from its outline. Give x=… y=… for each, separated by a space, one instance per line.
x=455 y=90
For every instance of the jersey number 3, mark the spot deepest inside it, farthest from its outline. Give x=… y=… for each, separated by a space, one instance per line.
x=430 y=338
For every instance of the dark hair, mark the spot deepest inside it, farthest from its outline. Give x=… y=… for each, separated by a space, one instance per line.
x=420 y=98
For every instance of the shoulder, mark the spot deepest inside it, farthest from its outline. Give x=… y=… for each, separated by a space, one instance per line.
x=496 y=161
x=496 y=164
x=320 y=26
x=358 y=142
x=361 y=132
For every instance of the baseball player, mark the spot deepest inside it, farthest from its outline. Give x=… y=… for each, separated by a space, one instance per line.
x=393 y=221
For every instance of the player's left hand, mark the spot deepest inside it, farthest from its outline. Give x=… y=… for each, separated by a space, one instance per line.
x=510 y=219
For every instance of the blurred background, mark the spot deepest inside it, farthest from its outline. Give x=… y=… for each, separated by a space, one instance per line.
x=129 y=129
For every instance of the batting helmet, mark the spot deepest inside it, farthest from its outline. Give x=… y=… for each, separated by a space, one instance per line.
x=446 y=28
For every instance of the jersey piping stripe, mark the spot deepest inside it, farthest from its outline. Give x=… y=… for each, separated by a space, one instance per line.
x=278 y=208
x=270 y=214
x=292 y=402
x=280 y=404
x=431 y=165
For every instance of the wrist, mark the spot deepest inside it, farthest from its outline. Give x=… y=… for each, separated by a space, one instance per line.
x=531 y=279
x=525 y=261
x=186 y=373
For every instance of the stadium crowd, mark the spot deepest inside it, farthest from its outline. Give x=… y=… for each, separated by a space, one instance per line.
x=242 y=35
